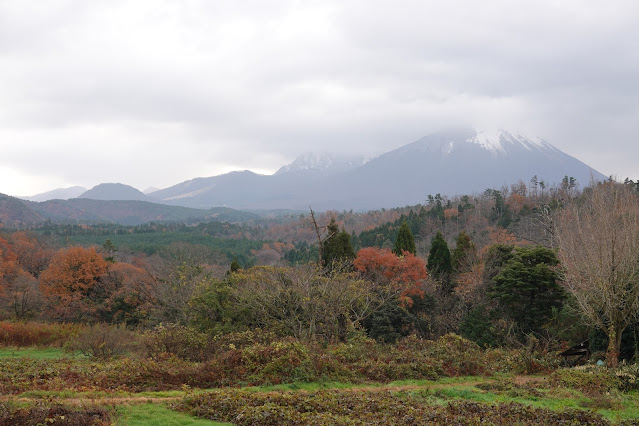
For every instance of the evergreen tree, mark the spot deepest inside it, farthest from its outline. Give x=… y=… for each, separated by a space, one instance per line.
x=526 y=287
x=439 y=262
x=405 y=240
x=337 y=246
x=464 y=248
x=235 y=265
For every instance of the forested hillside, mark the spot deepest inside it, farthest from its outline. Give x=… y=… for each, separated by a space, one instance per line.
x=464 y=269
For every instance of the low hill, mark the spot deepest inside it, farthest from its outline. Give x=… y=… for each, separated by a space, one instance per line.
x=17 y=213
x=114 y=191
x=132 y=212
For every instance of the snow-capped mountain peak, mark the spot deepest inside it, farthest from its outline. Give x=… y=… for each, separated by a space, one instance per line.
x=500 y=140
x=320 y=162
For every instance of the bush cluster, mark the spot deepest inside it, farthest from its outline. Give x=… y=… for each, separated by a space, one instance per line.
x=44 y=414
x=176 y=340
x=245 y=360
x=102 y=342
x=596 y=379
x=350 y=407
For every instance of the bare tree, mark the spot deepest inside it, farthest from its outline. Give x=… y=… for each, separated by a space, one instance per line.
x=598 y=239
x=302 y=301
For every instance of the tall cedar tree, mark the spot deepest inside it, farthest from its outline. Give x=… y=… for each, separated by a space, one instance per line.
x=439 y=262
x=405 y=241
x=527 y=287
x=337 y=246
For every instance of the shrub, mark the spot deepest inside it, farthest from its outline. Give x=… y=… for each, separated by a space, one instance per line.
x=628 y=377
x=177 y=340
x=102 y=341
x=588 y=379
x=346 y=407
x=24 y=334
x=41 y=414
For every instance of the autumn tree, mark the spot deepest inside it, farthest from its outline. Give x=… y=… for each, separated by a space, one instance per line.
x=18 y=294
x=598 y=238
x=178 y=271
x=300 y=301
x=405 y=241
x=403 y=305
x=130 y=294
x=71 y=283
x=33 y=255
x=8 y=260
x=21 y=296
x=394 y=275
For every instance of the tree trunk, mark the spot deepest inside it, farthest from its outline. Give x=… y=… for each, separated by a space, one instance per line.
x=614 y=344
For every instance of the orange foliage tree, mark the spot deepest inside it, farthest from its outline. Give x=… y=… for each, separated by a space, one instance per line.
x=400 y=275
x=8 y=260
x=33 y=255
x=129 y=292
x=71 y=283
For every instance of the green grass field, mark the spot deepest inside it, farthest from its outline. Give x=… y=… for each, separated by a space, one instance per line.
x=34 y=353
x=146 y=414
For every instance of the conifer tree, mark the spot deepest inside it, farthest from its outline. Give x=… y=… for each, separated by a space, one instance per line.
x=405 y=240
x=439 y=263
x=337 y=246
x=464 y=248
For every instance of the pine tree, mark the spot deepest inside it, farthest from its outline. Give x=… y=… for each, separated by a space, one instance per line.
x=235 y=265
x=405 y=240
x=337 y=246
x=527 y=287
x=439 y=263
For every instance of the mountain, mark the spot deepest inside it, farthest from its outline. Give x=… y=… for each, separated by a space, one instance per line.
x=150 y=189
x=455 y=162
x=130 y=212
x=57 y=194
x=114 y=191
x=324 y=164
x=459 y=162
x=15 y=212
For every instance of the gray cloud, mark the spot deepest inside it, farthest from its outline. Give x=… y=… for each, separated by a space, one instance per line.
x=156 y=92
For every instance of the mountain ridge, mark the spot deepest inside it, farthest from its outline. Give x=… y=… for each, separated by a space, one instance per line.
x=460 y=161
x=455 y=162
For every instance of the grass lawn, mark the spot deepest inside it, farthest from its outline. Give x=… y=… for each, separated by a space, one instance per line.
x=35 y=353
x=157 y=414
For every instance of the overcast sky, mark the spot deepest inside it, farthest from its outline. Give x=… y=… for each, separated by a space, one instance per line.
x=152 y=93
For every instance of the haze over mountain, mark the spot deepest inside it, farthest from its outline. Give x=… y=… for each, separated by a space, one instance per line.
x=456 y=162
x=57 y=194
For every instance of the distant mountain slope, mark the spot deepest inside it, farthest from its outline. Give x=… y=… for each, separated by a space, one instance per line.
x=325 y=164
x=114 y=191
x=230 y=189
x=457 y=162
x=131 y=212
x=57 y=194
x=17 y=213
x=460 y=162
